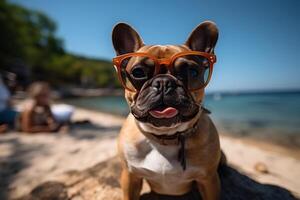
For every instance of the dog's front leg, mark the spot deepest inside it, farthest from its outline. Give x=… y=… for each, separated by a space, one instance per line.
x=131 y=185
x=209 y=187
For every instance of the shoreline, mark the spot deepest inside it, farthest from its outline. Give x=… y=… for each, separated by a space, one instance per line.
x=262 y=143
x=28 y=160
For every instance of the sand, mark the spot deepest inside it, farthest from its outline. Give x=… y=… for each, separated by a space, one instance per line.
x=28 y=160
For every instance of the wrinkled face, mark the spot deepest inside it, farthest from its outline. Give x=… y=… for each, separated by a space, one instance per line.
x=165 y=100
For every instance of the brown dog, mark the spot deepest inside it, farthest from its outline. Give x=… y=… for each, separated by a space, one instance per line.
x=168 y=139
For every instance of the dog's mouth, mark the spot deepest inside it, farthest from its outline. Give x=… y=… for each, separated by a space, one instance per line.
x=163 y=112
x=166 y=115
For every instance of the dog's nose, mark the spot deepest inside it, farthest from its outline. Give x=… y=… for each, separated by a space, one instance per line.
x=164 y=83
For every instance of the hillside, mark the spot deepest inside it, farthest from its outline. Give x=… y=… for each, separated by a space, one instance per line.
x=30 y=50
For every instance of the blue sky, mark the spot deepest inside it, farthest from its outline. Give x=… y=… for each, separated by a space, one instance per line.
x=258 y=47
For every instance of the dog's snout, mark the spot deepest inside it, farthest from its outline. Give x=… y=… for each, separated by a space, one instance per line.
x=164 y=83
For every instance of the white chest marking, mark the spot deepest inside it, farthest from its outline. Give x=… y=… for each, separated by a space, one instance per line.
x=152 y=160
x=149 y=157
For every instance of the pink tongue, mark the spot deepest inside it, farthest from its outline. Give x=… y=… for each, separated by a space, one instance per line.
x=168 y=112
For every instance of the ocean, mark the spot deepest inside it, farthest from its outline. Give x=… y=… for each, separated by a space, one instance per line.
x=270 y=116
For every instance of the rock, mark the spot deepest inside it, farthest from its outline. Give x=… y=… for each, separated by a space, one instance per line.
x=261 y=167
x=101 y=183
x=48 y=190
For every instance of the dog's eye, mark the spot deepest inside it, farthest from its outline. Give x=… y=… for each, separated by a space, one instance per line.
x=193 y=72
x=138 y=73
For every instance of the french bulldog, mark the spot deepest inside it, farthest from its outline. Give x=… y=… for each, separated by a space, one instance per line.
x=168 y=139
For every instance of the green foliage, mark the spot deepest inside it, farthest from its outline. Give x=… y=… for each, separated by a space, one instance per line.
x=29 y=36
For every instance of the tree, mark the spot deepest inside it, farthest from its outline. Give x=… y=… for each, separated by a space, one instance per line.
x=29 y=37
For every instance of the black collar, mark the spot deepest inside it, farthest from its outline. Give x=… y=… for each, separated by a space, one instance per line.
x=173 y=139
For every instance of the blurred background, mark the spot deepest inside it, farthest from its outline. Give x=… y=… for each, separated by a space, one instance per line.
x=255 y=88
x=255 y=85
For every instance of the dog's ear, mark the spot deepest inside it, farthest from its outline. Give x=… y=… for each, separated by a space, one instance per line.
x=204 y=37
x=125 y=39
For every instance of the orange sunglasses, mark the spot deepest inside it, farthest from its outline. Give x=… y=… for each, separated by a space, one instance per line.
x=121 y=62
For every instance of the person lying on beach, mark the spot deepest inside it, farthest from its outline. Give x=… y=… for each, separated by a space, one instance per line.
x=37 y=115
x=7 y=113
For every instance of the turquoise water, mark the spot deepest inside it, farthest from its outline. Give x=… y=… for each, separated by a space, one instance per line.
x=110 y=104
x=261 y=114
x=277 y=110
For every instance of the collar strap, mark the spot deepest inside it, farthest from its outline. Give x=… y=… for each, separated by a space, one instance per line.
x=175 y=138
x=172 y=139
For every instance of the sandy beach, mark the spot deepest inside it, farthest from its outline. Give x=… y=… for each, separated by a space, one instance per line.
x=28 y=160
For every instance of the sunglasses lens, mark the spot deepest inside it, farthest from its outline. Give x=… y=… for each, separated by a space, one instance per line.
x=136 y=70
x=192 y=70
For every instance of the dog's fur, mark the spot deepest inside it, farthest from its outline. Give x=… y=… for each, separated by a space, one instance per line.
x=143 y=158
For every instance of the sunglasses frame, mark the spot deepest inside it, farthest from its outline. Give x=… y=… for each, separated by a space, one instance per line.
x=168 y=62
